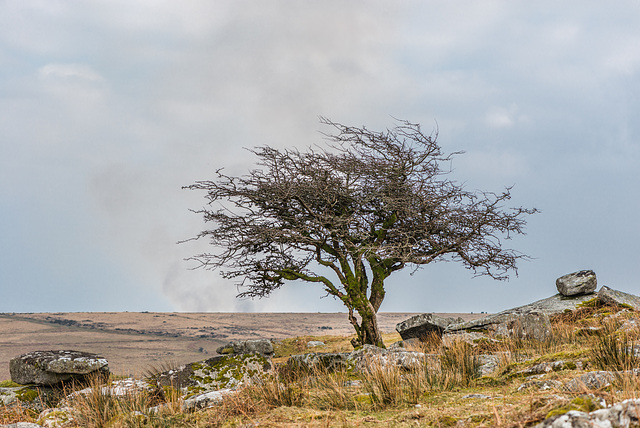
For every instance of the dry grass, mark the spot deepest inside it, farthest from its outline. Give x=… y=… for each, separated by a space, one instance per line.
x=446 y=390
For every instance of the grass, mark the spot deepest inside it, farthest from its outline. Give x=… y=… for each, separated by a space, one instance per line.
x=445 y=390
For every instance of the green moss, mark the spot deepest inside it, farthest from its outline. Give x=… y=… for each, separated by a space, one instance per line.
x=447 y=421
x=9 y=384
x=27 y=395
x=56 y=418
x=489 y=381
x=228 y=370
x=583 y=403
x=170 y=391
x=563 y=355
x=362 y=399
x=591 y=303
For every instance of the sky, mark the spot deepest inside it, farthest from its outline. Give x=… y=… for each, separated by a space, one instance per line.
x=108 y=108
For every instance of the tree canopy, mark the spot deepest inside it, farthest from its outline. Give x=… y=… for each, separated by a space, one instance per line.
x=350 y=213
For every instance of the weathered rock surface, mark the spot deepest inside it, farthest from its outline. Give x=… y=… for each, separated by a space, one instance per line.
x=590 y=380
x=251 y=346
x=332 y=361
x=623 y=414
x=577 y=283
x=56 y=417
x=372 y=356
x=360 y=360
x=55 y=367
x=471 y=337
x=423 y=325
x=206 y=400
x=220 y=372
x=119 y=388
x=487 y=364
x=549 y=306
x=530 y=324
x=614 y=297
x=541 y=385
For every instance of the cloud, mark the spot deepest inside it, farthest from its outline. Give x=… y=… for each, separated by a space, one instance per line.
x=69 y=71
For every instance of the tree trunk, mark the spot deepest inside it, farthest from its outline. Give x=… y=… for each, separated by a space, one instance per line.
x=367 y=329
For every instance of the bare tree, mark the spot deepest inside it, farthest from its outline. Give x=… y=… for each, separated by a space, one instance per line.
x=349 y=215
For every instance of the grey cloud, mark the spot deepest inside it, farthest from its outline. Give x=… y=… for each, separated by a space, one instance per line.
x=111 y=107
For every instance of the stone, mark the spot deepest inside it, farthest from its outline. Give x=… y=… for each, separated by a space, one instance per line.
x=623 y=414
x=369 y=356
x=315 y=343
x=550 y=306
x=544 y=368
x=206 y=400
x=360 y=360
x=473 y=338
x=332 y=361
x=56 y=417
x=423 y=326
x=219 y=372
x=577 y=283
x=609 y=296
x=119 y=388
x=476 y=396
x=250 y=346
x=541 y=385
x=487 y=364
x=591 y=380
x=55 y=367
x=530 y=326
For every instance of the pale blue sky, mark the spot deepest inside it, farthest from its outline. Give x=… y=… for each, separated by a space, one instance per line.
x=107 y=108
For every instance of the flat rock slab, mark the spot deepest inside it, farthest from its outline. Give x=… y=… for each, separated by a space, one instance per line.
x=54 y=367
x=615 y=297
x=550 y=306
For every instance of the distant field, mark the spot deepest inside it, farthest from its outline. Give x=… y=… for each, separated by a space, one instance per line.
x=134 y=341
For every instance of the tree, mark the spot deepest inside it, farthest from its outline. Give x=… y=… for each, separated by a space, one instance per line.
x=350 y=214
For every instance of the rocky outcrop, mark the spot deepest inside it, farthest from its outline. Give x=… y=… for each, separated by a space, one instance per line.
x=577 y=283
x=220 y=372
x=251 y=346
x=529 y=321
x=614 y=297
x=423 y=325
x=56 y=367
x=623 y=414
x=359 y=360
x=525 y=324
